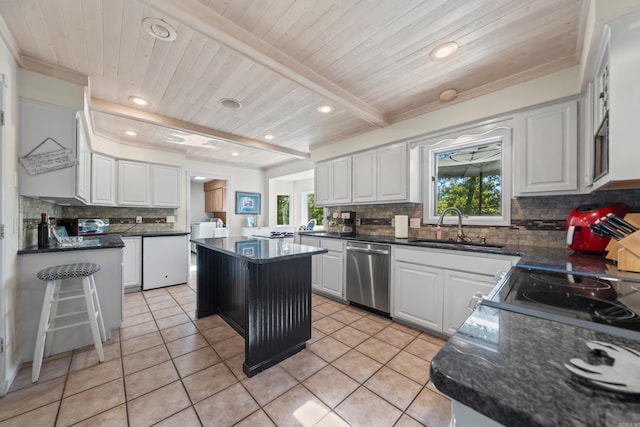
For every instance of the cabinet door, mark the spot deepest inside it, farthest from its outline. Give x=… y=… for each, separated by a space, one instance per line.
x=459 y=288
x=164 y=261
x=103 y=180
x=134 y=183
x=83 y=170
x=341 y=184
x=323 y=182
x=219 y=199
x=166 y=186
x=208 y=201
x=132 y=263
x=393 y=172
x=333 y=274
x=418 y=295
x=546 y=148
x=364 y=177
x=316 y=260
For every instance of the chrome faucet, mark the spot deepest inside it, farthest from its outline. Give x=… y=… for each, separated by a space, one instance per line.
x=461 y=236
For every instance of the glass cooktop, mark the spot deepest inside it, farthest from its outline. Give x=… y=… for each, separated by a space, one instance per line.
x=604 y=304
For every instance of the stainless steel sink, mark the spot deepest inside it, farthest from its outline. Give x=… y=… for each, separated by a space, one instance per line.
x=447 y=243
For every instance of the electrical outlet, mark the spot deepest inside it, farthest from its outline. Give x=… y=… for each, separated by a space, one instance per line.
x=414 y=223
x=357 y=221
x=171 y=219
x=138 y=219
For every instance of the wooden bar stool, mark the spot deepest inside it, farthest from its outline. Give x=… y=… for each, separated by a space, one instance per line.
x=49 y=315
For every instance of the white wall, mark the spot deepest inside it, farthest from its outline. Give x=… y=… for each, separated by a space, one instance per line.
x=9 y=194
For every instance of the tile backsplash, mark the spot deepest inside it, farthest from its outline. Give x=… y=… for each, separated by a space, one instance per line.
x=534 y=220
x=121 y=219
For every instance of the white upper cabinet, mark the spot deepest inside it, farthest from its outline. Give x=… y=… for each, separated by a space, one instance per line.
x=333 y=182
x=134 y=183
x=103 y=180
x=48 y=148
x=364 y=177
x=546 y=150
x=166 y=186
x=393 y=173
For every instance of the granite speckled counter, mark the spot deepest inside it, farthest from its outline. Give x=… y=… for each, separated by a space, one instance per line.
x=106 y=241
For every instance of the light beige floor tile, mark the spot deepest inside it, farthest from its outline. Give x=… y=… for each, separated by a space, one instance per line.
x=257 y=419
x=154 y=299
x=50 y=369
x=158 y=405
x=185 y=299
x=138 y=330
x=42 y=416
x=378 y=350
x=303 y=364
x=91 y=377
x=327 y=308
x=364 y=408
x=163 y=305
x=226 y=407
x=406 y=421
x=346 y=316
x=150 y=379
x=219 y=333
x=195 y=361
x=394 y=337
x=179 y=331
x=168 y=322
x=406 y=329
x=29 y=398
x=235 y=364
x=190 y=309
x=328 y=348
x=350 y=336
x=90 y=402
x=209 y=322
x=296 y=407
x=332 y=420
x=136 y=311
x=327 y=325
x=393 y=387
x=113 y=417
x=431 y=409
x=368 y=326
x=433 y=339
x=140 y=343
x=381 y=319
x=186 y=345
x=137 y=319
x=166 y=312
x=86 y=359
x=411 y=366
x=330 y=385
x=269 y=384
x=144 y=359
x=316 y=315
x=357 y=365
x=423 y=348
x=315 y=336
x=209 y=382
x=229 y=347
x=151 y=293
x=185 y=418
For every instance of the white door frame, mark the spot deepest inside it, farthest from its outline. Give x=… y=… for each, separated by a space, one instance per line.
x=3 y=244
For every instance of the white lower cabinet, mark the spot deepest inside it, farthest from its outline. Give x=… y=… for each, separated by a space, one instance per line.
x=132 y=263
x=327 y=270
x=164 y=261
x=431 y=290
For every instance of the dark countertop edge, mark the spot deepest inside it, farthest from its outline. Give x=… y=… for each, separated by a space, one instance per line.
x=153 y=233
x=260 y=260
x=113 y=242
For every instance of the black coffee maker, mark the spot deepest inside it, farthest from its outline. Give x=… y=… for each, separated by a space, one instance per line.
x=347 y=223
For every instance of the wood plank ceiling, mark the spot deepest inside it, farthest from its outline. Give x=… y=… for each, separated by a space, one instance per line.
x=282 y=59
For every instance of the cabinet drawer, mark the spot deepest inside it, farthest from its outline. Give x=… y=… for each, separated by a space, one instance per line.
x=334 y=245
x=486 y=264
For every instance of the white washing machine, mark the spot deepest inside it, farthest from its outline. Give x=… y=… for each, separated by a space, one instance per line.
x=206 y=229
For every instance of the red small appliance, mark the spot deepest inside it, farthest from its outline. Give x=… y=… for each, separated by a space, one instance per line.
x=579 y=235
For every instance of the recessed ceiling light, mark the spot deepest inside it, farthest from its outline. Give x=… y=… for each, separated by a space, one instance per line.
x=235 y=153
x=131 y=133
x=448 y=95
x=269 y=137
x=139 y=101
x=231 y=103
x=444 y=50
x=159 y=29
x=325 y=108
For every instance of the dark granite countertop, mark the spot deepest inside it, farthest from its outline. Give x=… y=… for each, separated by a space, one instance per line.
x=154 y=233
x=105 y=241
x=510 y=367
x=256 y=250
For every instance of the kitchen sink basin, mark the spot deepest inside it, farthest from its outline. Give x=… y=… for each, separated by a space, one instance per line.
x=448 y=243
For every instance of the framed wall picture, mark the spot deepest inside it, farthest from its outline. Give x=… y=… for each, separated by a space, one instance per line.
x=247 y=203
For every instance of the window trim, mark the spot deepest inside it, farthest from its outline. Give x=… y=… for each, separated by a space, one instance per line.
x=443 y=144
x=291 y=201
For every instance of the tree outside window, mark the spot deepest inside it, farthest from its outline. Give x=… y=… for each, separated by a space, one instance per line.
x=314 y=212
x=284 y=205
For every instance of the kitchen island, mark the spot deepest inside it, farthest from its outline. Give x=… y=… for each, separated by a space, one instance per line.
x=105 y=250
x=261 y=288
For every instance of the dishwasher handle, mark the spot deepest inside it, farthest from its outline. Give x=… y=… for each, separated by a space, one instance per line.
x=368 y=251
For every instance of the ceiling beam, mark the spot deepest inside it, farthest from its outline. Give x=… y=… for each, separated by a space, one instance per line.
x=104 y=106
x=50 y=70
x=206 y=21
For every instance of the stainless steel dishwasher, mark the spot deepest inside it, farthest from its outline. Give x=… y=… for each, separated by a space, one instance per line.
x=368 y=275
